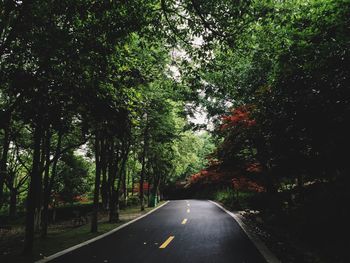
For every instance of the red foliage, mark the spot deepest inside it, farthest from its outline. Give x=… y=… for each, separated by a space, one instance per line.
x=240 y=116
x=243 y=183
x=215 y=174
x=137 y=187
x=254 y=168
x=206 y=176
x=81 y=199
x=211 y=174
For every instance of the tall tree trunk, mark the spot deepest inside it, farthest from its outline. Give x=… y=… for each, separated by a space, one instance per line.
x=125 y=190
x=94 y=216
x=104 y=187
x=112 y=192
x=117 y=197
x=132 y=183
x=13 y=203
x=143 y=168
x=33 y=192
x=3 y=162
x=123 y=172
x=155 y=188
x=112 y=175
x=46 y=190
x=52 y=180
x=38 y=209
x=13 y=195
x=127 y=174
x=142 y=176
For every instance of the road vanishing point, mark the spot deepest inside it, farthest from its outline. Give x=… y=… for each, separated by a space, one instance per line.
x=181 y=231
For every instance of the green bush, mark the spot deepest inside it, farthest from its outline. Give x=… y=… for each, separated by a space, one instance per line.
x=226 y=196
x=133 y=200
x=237 y=200
x=70 y=211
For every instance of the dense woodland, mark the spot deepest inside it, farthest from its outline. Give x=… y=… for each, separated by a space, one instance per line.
x=100 y=98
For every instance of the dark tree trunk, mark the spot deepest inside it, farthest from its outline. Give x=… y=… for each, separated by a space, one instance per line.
x=13 y=203
x=127 y=174
x=104 y=186
x=3 y=162
x=117 y=197
x=52 y=180
x=142 y=175
x=123 y=172
x=33 y=192
x=125 y=190
x=112 y=175
x=143 y=168
x=148 y=190
x=94 y=216
x=47 y=190
x=155 y=188
x=132 y=184
x=38 y=209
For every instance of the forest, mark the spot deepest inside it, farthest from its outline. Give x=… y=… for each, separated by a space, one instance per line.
x=106 y=105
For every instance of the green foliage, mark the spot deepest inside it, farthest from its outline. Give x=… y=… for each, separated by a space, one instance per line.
x=226 y=196
x=72 y=181
x=290 y=62
x=191 y=153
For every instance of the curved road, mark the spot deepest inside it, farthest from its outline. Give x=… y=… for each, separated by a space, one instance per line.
x=179 y=232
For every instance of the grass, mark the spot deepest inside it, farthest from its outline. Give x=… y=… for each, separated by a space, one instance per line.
x=232 y=199
x=61 y=236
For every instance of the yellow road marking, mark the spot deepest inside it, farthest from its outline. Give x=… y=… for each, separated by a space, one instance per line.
x=188 y=204
x=188 y=210
x=164 y=245
x=184 y=221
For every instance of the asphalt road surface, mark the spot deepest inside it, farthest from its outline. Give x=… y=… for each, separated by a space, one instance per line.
x=181 y=231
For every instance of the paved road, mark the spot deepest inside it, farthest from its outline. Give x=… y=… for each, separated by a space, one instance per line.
x=208 y=235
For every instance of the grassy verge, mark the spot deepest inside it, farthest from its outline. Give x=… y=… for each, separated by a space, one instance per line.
x=234 y=200
x=61 y=236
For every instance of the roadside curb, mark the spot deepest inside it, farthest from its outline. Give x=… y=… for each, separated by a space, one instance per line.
x=60 y=253
x=265 y=252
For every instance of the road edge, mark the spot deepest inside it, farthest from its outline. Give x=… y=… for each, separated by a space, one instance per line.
x=67 y=250
x=264 y=251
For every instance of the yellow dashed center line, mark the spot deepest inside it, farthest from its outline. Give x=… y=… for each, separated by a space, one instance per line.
x=188 y=210
x=184 y=221
x=164 y=245
x=188 y=204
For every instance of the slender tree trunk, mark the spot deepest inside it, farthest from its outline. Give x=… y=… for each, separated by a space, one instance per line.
x=13 y=203
x=112 y=206
x=127 y=174
x=46 y=190
x=33 y=192
x=148 y=190
x=125 y=191
x=155 y=188
x=3 y=162
x=143 y=168
x=94 y=216
x=38 y=209
x=132 y=183
x=51 y=182
x=117 y=197
x=104 y=187
x=142 y=201
x=123 y=172
x=112 y=175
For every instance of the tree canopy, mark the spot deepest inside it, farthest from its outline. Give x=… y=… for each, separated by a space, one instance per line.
x=96 y=97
